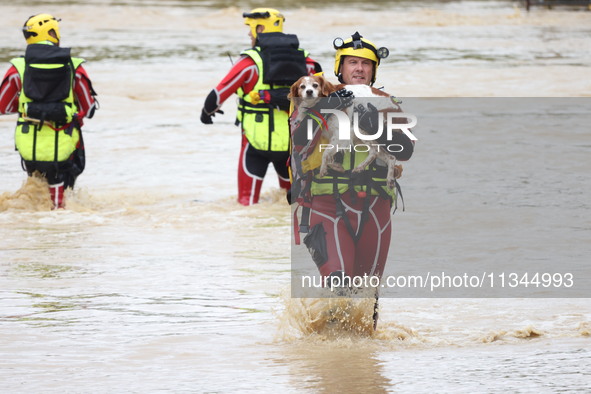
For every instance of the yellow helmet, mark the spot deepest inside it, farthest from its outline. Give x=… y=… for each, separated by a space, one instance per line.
x=270 y=18
x=38 y=27
x=360 y=47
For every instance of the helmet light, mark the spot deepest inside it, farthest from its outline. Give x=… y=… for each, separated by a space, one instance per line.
x=383 y=52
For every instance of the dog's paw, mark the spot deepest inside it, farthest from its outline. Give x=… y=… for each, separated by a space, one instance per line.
x=397 y=171
x=337 y=167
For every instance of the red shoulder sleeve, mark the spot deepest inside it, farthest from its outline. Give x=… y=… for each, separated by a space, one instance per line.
x=9 y=91
x=244 y=74
x=313 y=66
x=84 y=93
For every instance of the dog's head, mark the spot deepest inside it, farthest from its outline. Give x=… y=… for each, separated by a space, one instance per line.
x=311 y=87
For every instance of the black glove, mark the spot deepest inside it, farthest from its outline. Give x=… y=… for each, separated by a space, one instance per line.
x=368 y=118
x=206 y=118
x=339 y=99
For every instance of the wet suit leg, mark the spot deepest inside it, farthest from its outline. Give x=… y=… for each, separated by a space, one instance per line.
x=252 y=168
x=374 y=242
x=368 y=254
x=251 y=171
x=340 y=246
x=279 y=160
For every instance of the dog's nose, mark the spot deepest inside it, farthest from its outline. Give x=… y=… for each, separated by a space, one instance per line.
x=309 y=92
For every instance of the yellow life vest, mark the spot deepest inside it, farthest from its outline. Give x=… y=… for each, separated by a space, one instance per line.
x=41 y=139
x=371 y=181
x=265 y=126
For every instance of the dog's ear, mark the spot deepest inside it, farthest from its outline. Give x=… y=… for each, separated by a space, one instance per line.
x=294 y=90
x=326 y=87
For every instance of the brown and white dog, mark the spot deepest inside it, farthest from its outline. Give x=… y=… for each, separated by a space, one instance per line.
x=310 y=88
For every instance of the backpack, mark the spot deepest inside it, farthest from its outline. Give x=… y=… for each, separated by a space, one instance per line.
x=47 y=82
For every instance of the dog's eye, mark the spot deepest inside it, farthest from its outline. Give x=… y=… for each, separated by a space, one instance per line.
x=315 y=85
x=302 y=86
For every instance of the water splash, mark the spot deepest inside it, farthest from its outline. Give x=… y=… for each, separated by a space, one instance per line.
x=528 y=333
x=340 y=322
x=32 y=196
x=328 y=318
x=585 y=329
